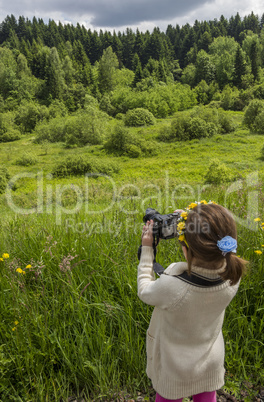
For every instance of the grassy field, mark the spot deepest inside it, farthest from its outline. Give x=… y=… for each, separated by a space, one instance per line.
x=71 y=323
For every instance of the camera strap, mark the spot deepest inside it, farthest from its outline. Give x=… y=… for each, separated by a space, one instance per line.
x=193 y=279
x=198 y=280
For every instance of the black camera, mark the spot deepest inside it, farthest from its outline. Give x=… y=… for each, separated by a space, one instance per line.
x=164 y=226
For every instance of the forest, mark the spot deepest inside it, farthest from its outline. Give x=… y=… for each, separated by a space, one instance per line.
x=48 y=69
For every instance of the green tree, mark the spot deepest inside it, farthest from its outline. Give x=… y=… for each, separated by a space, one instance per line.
x=54 y=82
x=254 y=59
x=137 y=70
x=222 y=51
x=106 y=68
x=240 y=67
x=205 y=69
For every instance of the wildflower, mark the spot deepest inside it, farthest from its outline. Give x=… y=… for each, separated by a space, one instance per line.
x=184 y=215
x=257 y=219
x=16 y=322
x=13 y=329
x=181 y=237
x=23 y=272
x=1 y=259
x=5 y=256
x=203 y=202
x=258 y=252
x=192 y=205
x=19 y=270
x=181 y=227
x=28 y=266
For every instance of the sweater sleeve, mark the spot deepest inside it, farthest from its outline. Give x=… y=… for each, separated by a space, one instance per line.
x=155 y=292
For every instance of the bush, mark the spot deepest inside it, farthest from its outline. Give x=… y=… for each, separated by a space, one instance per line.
x=133 y=151
x=26 y=160
x=75 y=166
x=184 y=128
x=262 y=153
x=86 y=127
x=122 y=142
x=201 y=122
x=10 y=135
x=255 y=107
x=226 y=123
x=4 y=177
x=139 y=117
x=218 y=173
x=29 y=114
x=258 y=125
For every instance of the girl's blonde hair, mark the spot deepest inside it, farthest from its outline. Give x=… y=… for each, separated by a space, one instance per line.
x=205 y=225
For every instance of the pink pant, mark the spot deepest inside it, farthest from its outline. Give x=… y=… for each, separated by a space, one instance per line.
x=204 y=397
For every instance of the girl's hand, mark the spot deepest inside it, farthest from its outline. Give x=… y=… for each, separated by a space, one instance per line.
x=179 y=210
x=147 y=236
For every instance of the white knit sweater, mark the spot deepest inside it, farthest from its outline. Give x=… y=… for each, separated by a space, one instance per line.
x=185 y=347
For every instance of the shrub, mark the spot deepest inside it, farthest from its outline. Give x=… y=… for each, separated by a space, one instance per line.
x=86 y=127
x=26 y=160
x=262 y=153
x=218 y=173
x=226 y=124
x=10 y=135
x=255 y=107
x=184 y=128
x=75 y=166
x=133 y=151
x=139 y=117
x=29 y=114
x=4 y=177
x=121 y=141
x=197 y=128
x=258 y=125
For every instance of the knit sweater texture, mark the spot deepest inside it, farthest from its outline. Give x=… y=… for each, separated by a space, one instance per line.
x=185 y=346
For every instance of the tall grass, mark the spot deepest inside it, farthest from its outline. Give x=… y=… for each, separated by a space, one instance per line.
x=72 y=324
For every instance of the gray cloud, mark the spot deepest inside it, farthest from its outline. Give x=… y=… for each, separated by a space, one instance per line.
x=127 y=12
x=110 y=13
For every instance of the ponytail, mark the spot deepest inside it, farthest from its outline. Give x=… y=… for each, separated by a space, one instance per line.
x=235 y=268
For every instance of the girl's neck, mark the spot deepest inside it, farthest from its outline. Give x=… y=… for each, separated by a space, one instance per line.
x=207 y=265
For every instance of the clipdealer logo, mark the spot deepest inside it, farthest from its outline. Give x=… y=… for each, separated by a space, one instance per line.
x=50 y=195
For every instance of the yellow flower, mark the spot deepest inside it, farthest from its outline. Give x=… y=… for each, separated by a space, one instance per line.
x=257 y=219
x=1 y=259
x=19 y=270
x=192 y=205
x=23 y=272
x=16 y=322
x=28 y=266
x=5 y=256
x=13 y=329
x=258 y=252
x=181 y=226
x=203 y=202
x=184 y=215
x=182 y=237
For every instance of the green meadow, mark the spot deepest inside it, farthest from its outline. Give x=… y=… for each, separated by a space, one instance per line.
x=71 y=324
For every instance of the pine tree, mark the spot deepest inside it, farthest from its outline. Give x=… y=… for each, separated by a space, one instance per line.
x=254 y=59
x=240 y=67
x=137 y=68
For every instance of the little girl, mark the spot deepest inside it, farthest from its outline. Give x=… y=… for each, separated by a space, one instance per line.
x=185 y=346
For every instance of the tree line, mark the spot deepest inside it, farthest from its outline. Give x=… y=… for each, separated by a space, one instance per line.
x=43 y=62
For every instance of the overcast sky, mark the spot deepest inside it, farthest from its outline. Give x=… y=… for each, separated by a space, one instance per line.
x=120 y=14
